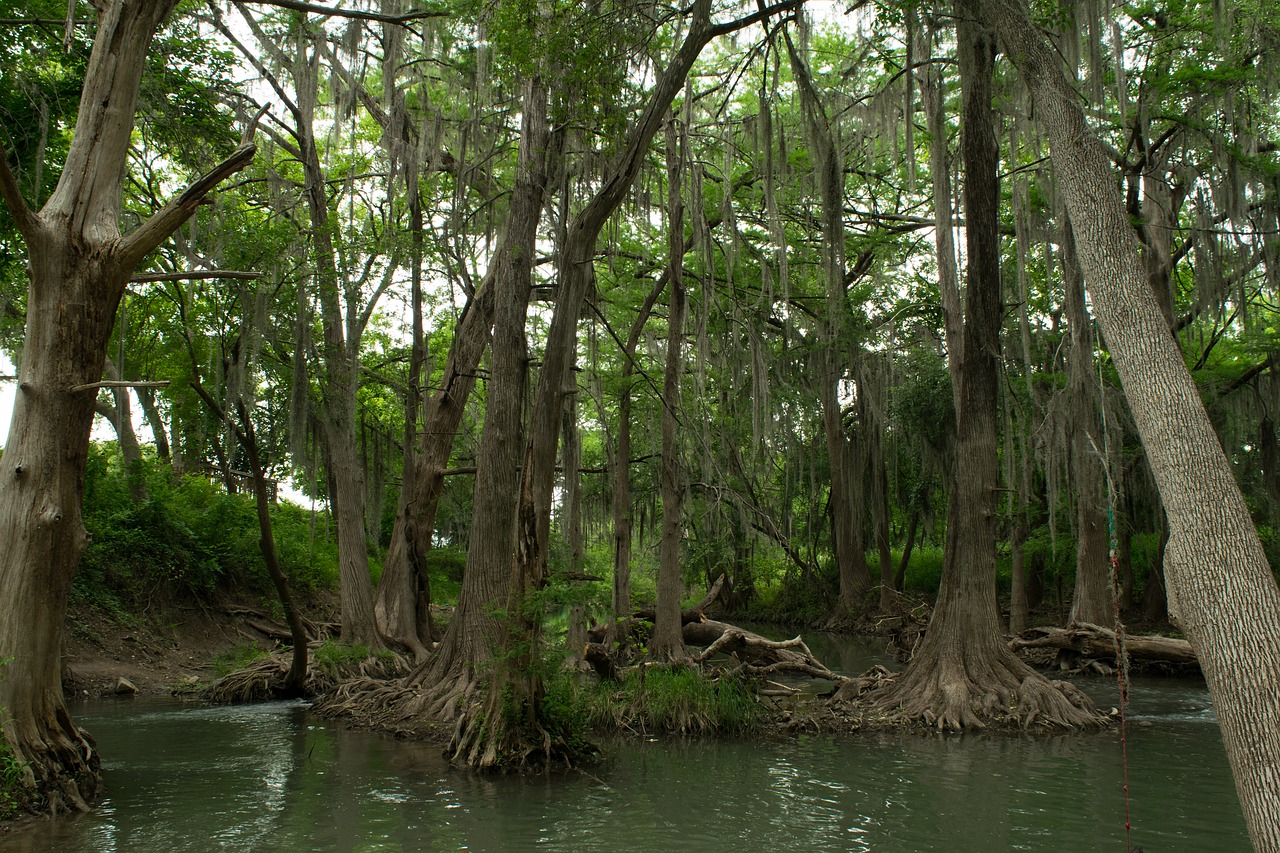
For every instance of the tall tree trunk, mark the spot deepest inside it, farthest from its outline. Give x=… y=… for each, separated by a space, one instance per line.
x=476 y=629
x=1091 y=601
x=667 y=643
x=78 y=267
x=339 y=375
x=1217 y=572
x=848 y=495
x=963 y=675
x=576 y=636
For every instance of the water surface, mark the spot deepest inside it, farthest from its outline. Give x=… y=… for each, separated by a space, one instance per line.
x=274 y=778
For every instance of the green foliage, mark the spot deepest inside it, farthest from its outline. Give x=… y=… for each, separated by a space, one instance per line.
x=188 y=539
x=237 y=658
x=332 y=657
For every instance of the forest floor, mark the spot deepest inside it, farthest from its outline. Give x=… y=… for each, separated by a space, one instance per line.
x=170 y=650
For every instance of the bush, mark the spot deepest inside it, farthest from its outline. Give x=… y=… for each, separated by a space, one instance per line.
x=188 y=539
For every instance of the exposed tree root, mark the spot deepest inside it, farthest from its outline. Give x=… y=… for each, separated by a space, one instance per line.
x=264 y=680
x=60 y=766
x=991 y=690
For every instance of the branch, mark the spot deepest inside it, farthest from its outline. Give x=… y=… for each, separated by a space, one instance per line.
x=193 y=275
x=167 y=219
x=28 y=223
x=298 y=6
x=110 y=383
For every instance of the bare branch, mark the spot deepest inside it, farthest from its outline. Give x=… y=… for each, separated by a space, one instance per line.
x=28 y=223
x=193 y=275
x=167 y=219
x=328 y=11
x=107 y=383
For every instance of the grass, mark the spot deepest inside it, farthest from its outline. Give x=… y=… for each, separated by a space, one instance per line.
x=655 y=700
x=237 y=658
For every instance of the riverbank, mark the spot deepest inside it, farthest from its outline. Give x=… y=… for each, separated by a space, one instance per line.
x=172 y=650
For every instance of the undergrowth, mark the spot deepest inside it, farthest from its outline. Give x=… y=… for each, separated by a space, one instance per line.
x=654 y=700
x=12 y=792
x=237 y=658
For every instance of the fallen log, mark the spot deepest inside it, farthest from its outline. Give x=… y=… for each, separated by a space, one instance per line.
x=756 y=655
x=1096 y=641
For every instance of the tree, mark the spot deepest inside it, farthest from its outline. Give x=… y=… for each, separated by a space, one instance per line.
x=963 y=675
x=79 y=264
x=1221 y=589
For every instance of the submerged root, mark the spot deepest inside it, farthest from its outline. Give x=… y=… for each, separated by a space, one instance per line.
x=58 y=768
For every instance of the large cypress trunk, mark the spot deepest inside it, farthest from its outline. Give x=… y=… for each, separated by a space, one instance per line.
x=963 y=675
x=1220 y=585
x=78 y=267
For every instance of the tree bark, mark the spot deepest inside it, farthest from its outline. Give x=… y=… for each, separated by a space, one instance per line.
x=78 y=269
x=667 y=645
x=1217 y=572
x=963 y=675
x=1091 y=601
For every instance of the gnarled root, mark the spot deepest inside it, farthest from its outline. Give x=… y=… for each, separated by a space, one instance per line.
x=989 y=691
x=60 y=765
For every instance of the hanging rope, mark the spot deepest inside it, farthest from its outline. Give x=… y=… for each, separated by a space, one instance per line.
x=1122 y=654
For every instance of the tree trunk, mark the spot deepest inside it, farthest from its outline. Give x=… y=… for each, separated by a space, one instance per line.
x=571 y=509
x=1226 y=596
x=1091 y=601
x=120 y=414
x=847 y=495
x=667 y=644
x=475 y=631
x=963 y=675
x=78 y=268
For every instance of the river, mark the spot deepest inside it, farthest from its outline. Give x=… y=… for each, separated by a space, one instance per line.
x=183 y=777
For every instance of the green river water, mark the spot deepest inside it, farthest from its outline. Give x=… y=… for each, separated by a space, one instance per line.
x=184 y=777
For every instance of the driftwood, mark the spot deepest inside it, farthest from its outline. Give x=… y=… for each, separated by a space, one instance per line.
x=1099 y=642
x=755 y=655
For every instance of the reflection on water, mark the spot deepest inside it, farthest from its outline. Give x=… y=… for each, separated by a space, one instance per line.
x=273 y=778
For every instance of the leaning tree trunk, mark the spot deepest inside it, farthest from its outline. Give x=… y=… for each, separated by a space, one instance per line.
x=963 y=675
x=1215 y=567
x=78 y=267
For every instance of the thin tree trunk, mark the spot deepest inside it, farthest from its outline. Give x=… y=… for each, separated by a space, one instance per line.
x=1218 y=576
x=1091 y=601
x=667 y=643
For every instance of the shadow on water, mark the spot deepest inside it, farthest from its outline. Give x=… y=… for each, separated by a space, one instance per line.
x=273 y=778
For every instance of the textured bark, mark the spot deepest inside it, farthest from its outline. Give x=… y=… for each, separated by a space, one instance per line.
x=667 y=645
x=475 y=631
x=933 y=98
x=78 y=268
x=1217 y=573
x=1091 y=601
